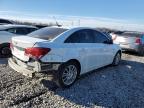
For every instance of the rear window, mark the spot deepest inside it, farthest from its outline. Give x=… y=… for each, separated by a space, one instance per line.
x=47 y=33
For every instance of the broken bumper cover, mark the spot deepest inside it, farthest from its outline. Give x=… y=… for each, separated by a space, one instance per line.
x=31 y=68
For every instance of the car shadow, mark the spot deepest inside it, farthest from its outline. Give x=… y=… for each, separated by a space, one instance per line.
x=131 y=53
x=119 y=86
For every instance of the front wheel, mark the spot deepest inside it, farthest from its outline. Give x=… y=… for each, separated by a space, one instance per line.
x=68 y=74
x=117 y=59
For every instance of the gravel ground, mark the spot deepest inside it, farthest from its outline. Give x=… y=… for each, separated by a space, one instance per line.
x=117 y=87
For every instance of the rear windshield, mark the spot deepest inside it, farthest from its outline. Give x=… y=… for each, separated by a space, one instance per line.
x=47 y=33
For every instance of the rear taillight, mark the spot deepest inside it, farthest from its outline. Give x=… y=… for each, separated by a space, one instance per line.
x=36 y=53
x=138 y=41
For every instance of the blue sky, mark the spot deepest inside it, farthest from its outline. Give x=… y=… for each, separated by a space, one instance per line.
x=125 y=9
x=128 y=10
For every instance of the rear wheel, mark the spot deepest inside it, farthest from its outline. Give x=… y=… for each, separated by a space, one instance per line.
x=68 y=74
x=5 y=50
x=117 y=59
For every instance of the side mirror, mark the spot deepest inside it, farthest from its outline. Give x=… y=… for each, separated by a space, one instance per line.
x=108 y=42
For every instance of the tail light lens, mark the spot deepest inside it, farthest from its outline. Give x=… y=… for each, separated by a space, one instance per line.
x=36 y=53
x=138 y=41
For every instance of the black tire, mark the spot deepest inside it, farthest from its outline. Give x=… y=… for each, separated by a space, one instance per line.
x=117 y=56
x=59 y=80
x=141 y=51
x=3 y=48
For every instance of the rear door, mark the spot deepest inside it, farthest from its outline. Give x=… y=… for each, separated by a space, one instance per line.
x=88 y=49
x=82 y=42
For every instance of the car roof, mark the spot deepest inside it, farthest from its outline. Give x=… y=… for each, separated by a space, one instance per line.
x=70 y=27
x=74 y=27
x=77 y=27
x=7 y=26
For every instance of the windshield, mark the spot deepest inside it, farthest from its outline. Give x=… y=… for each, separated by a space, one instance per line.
x=47 y=33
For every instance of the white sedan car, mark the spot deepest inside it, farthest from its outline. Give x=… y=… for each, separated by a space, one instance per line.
x=67 y=53
x=8 y=31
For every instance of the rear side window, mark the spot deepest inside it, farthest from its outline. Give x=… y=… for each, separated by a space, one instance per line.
x=99 y=37
x=21 y=31
x=74 y=38
x=81 y=36
x=86 y=36
x=11 y=30
x=29 y=30
x=25 y=30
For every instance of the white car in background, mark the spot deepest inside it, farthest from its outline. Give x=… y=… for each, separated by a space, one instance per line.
x=5 y=21
x=67 y=53
x=130 y=41
x=8 y=31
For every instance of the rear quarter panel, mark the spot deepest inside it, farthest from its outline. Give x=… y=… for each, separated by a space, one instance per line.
x=61 y=53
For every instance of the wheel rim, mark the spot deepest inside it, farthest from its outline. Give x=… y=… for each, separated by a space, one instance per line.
x=117 y=59
x=5 y=51
x=69 y=75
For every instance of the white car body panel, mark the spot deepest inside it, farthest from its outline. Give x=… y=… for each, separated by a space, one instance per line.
x=90 y=55
x=24 y=42
x=5 y=37
x=128 y=42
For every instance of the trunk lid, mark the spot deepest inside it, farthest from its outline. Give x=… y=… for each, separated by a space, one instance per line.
x=20 y=43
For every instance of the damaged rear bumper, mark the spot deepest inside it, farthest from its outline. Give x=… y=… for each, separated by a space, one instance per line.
x=31 y=68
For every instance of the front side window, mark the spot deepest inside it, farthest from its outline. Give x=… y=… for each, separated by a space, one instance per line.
x=99 y=37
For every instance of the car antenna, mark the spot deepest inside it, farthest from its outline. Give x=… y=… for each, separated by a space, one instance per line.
x=56 y=22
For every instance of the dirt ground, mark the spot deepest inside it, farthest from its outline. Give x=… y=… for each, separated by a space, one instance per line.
x=117 y=87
